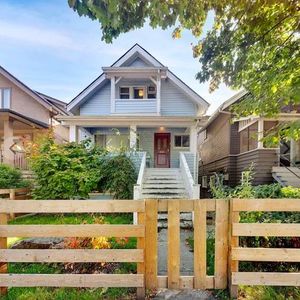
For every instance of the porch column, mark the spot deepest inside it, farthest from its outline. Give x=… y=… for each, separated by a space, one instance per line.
x=260 y=134
x=193 y=139
x=133 y=137
x=113 y=94
x=158 y=92
x=73 y=133
x=8 y=155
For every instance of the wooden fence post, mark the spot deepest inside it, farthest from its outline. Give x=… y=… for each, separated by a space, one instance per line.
x=233 y=265
x=141 y=266
x=12 y=196
x=173 y=244
x=3 y=245
x=151 y=244
x=221 y=243
x=200 y=244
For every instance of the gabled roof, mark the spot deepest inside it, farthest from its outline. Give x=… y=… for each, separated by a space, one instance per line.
x=60 y=105
x=235 y=98
x=26 y=89
x=137 y=49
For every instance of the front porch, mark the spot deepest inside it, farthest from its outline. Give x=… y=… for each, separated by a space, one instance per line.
x=15 y=131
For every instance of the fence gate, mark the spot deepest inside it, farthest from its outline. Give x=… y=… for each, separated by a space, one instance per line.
x=200 y=279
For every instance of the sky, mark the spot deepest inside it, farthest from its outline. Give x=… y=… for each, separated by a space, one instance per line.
x=46 y=45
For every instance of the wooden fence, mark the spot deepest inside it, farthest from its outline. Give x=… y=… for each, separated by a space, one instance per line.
x=70 y=255
x=262 y=254
x=227 y=250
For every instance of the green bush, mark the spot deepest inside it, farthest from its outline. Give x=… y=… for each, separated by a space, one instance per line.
x=72 y=171
x=11 y=178
x=290 y=192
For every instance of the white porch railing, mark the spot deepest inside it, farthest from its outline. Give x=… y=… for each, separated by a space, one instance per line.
x=190 y=182
x=135 y=106
x=138 y=186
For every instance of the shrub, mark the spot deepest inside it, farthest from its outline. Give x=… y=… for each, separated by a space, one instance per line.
x=11 y=178
x=290 y=192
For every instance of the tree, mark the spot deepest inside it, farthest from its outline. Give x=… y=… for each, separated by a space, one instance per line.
x=252 y=44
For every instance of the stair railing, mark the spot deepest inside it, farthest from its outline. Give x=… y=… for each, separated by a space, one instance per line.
x=138 y=186
x=190 y=184
x=291 y=163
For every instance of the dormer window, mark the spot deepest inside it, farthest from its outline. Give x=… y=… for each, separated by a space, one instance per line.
x=124 y=92
x=151 y=92
x=137 y=92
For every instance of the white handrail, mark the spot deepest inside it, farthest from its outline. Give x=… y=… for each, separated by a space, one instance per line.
x=190 y=184
x=142 y=169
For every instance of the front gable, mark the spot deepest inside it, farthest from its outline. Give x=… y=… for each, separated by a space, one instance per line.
x=176 y=98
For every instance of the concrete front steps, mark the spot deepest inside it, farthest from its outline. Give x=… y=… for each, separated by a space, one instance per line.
x=163 y=184
x=287 y=176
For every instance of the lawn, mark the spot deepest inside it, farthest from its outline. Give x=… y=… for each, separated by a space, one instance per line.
x=51 y=268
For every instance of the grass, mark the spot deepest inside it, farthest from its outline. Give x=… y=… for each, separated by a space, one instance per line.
x=37 y=293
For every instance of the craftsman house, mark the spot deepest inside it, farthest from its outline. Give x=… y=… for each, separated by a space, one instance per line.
x=139 y=103
x=229 y=146
x=24 y=113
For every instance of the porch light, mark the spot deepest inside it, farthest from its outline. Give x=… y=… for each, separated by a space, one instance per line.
x=161 y=128
x=141 y=93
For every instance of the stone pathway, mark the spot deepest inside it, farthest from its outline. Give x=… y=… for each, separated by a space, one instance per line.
x=187 y=294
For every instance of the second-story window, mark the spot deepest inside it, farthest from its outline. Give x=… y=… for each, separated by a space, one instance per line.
x=151 y=92
x=5 y=97
x=124 y=92
x=138 y=93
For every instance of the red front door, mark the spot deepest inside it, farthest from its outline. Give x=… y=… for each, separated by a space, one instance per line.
x=162 y=150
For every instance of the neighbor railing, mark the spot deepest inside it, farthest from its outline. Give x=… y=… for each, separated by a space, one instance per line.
x=20 y=161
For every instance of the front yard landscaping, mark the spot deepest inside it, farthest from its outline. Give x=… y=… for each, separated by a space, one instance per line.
x=56 y=268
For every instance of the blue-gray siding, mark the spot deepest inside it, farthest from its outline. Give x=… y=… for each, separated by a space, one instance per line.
x=98 y=103
x=191 y=161
x=174 y=102
x=135 y=106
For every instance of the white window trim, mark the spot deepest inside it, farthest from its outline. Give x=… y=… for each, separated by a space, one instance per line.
x=204 y=181
x=183 y=134
x=2 y=97
x=131 y=92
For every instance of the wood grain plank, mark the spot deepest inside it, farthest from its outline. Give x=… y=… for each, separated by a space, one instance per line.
x=266 y=205
x=141 y=246
x=221 y=243
x=266 y=254
x=266 y=278
x=72 y=206
x=151 y=244
x=3 y=245
x=83 y=230
x=200 y=244
x=71 y=255
x=185 y=282
x=173 y=244
x=266 y=229
x=72 y=280
x=186 y=205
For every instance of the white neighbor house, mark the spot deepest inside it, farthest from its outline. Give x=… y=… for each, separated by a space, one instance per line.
x=154 y=112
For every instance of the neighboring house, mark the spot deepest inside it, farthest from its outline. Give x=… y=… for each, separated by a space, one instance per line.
x=229 y=146
x=24 y=113
x=139 y=103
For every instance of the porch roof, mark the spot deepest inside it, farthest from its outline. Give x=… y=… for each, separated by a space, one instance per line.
x=130 y=72
x=145 y=121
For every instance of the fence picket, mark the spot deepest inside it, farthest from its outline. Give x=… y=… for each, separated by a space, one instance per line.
x=141 y=265
x=173 y=244
x=151 y=244
x=221 y=243
x=200 y=244
x=3 y=245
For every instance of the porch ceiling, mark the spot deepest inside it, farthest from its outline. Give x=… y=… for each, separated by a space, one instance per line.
x=145 y=121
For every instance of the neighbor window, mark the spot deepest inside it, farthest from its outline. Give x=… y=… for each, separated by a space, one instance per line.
x=204 y=181
x=151 y=92
x=124 y=92
x=182 y=141
x=248 y=138
x=5 y=97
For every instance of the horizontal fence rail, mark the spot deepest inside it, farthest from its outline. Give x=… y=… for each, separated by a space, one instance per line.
x=238 y=254
x=72 y=255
